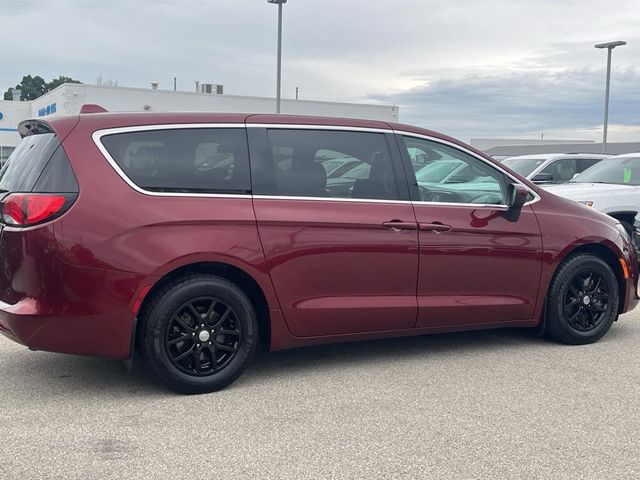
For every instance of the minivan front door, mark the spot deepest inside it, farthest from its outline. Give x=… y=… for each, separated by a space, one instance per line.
x=342 y=251
x=477 y=267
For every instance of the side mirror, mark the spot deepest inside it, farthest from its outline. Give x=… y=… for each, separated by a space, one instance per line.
x=517 y=195
x=542 y=178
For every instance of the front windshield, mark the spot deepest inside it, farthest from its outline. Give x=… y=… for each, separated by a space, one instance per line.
x=436 y=172
x=523 y=166
x=619 y=171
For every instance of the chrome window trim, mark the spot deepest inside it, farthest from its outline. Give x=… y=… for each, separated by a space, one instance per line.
x=98 y=134
x=371 y=200
x=97 y=140
x=330 y=199
x=285 y=126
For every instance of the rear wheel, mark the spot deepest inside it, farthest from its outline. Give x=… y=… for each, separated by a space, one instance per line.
x=199 y=334
x=583 y=300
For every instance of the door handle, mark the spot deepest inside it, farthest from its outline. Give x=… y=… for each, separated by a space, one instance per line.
x=400 y=225
x=435 y=227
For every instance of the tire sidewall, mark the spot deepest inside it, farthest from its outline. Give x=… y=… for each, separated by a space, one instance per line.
x=156 y=325
x=570 y=334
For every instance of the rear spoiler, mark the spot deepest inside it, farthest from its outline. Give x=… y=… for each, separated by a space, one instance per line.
x=36 y=127
x=33 y=127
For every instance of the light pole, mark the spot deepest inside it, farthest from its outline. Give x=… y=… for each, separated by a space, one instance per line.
x=279 y=81
x=609 y=46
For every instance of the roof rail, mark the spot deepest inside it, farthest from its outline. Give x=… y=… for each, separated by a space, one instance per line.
x=92 y=108
x=586 y=153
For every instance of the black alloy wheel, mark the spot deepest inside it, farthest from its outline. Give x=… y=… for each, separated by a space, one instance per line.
x=198 y=333
x=586 y=300
x=583 y=300
x=203 y=336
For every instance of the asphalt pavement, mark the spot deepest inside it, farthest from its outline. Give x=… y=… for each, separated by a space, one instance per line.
x=494 y=404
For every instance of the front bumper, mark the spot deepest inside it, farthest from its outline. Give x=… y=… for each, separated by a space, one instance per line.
x=632 y=294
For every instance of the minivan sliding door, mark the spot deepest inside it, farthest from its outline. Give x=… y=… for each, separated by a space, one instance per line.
x=338 y=231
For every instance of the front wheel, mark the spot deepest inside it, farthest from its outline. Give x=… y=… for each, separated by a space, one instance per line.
x=583 y=300
x=199 y=334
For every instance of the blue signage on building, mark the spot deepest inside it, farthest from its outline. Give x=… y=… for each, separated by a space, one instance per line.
x=48 y=110
x=1 y=115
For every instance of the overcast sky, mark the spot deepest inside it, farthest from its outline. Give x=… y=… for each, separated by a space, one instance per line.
x=502 y=68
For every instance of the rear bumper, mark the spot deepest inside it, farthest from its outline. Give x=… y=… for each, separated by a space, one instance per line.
x=96 y=335
x=63 y=299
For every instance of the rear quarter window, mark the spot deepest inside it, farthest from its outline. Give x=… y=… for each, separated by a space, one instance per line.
x=205 y=160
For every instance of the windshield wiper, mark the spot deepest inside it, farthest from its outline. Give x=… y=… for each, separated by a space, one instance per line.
x=590 y=181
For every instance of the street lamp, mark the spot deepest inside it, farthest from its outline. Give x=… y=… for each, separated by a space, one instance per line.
x=609 y=46
x=279 y=81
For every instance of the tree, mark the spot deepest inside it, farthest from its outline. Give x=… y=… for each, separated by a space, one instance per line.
x=34 y=87
x=56 y=82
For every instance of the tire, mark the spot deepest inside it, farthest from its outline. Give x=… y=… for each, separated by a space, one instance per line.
x=183 y=355
x=579 y=309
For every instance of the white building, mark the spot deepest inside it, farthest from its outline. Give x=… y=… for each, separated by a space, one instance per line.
x=69 y=98
x=485 y=144
x=11 y=113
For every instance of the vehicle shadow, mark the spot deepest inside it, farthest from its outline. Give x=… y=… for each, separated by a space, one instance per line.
x=26 y=372
x=39 y=374
x=356 y=354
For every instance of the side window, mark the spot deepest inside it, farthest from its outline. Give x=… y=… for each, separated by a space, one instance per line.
x=205 y=160
x=584 y=163
x=338 y=164
x=561 y=171
x=450 y=175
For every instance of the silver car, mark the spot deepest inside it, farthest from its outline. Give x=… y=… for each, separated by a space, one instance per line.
x=553 y=167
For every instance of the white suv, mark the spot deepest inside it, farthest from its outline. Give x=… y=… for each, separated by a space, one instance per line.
x=613 y=187
x=552 y=167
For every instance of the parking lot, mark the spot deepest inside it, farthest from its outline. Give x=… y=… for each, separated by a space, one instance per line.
x=494 y=404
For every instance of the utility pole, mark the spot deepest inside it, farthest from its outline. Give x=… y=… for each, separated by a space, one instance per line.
x=609 y=46
x=279 y=67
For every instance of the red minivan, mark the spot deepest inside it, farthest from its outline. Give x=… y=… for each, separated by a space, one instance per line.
x=194 y=238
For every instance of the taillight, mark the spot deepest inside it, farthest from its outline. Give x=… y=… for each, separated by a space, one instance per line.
x=24 y=209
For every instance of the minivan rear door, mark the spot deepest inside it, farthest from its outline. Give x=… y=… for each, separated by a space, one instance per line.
x=342 y=252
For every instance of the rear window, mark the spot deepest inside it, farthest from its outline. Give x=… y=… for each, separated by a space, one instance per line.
x=206 y=160
x=24 y=166
x=38 y=164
